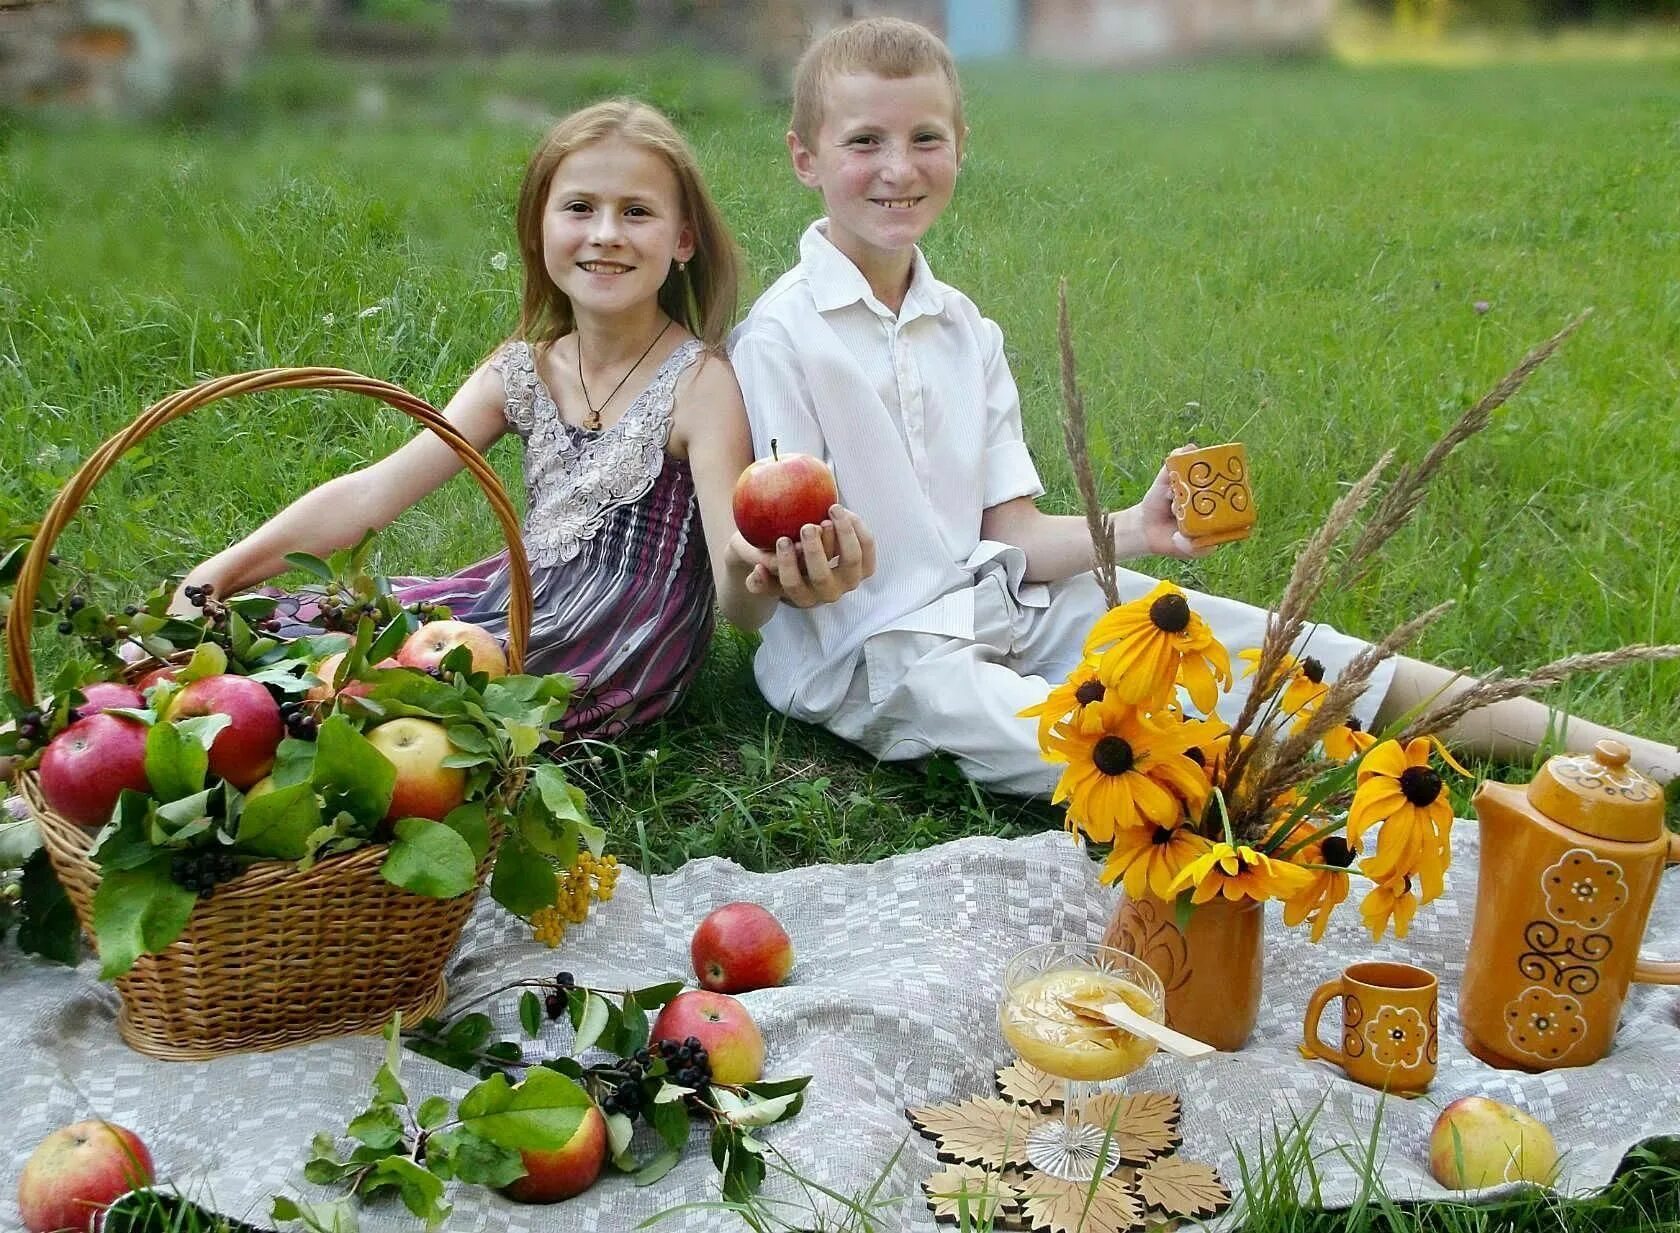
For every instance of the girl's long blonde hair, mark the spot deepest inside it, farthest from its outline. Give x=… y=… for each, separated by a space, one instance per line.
x=703 y=297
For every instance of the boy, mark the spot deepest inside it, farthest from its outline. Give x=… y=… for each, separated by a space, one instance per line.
x=860 y=356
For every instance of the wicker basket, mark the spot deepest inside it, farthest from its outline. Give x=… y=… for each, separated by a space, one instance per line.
x=275 y=957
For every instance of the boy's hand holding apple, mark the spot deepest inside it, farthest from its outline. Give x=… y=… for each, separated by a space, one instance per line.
x=801 y=544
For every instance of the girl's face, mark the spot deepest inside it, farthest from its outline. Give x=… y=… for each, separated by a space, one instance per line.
x=884 y=160
x=612 y=226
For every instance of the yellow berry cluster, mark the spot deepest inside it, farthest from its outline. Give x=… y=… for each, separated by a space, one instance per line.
x=590 y=878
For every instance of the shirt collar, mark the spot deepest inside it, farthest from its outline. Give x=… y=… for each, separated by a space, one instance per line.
x=836 y=283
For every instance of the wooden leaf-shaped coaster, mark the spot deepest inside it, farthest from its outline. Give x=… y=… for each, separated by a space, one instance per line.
x=1026 y=1084
x=1054 y=1206
x=970 y=1196
x=1183 y=1188
x=1145 y=1123
x=982 y=1130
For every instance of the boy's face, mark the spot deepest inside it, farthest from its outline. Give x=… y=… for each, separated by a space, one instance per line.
x=884 y=160
x=612 y=226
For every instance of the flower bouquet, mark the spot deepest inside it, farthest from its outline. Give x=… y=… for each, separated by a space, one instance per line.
x=1292 y=800
x=274 y=835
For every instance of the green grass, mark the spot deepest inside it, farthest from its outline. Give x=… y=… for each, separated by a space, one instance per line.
x=1286 y=254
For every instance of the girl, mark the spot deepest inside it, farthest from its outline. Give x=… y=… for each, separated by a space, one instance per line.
x=632 y=422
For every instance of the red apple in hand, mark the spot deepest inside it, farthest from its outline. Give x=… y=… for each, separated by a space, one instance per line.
x=425 y=788
x=76 y=1172
x=740 y=947
x=734 y=1045
x=778 y=495
x=85 y=767
x=567 y=1170
x=243 y=752
x=427 y=646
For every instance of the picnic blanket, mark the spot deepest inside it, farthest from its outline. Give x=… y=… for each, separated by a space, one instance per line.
x=892 y=1003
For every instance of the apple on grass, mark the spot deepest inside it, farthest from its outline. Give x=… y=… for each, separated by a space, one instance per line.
x=779 y=495
x=243 y=752
x=734 y=1045
x=1479 y=1142
x=426 y=647
x=76 y=1172
x=425 y=788
x=87 y=765
x=564 y=1171
x=740 y=947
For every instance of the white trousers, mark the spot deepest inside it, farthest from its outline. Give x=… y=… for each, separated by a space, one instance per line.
x=915 y=694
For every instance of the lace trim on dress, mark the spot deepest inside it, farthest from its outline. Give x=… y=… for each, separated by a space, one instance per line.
x=574 y=478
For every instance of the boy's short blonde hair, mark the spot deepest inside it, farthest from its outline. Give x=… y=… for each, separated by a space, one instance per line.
x=884 y=46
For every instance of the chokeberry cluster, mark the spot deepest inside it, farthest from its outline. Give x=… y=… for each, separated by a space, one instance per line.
x=31 y=730
x=687 y=1063
x=555 y=1003
x=201 y=872
x=300 y=720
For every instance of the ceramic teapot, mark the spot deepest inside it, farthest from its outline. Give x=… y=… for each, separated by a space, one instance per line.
x=1570 y=867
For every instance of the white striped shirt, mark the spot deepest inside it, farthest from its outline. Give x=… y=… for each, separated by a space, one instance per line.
x=919 y=417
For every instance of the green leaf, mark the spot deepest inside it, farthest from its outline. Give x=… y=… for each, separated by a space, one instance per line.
x=620 y=1130
x=176 y=759
x=670 y=1119
x=534 y=826
x=136 y=912
x=278 y=823
x=390 y=639
x=294 y=762
x=523 y=737
x=651 y=997
x=633 y=1034
x=327 y=1172
x=421 y=1189
x=208 y=659
x=429 y=859
x=433 y=1112
x=310 y=564
x=474 y=1159
x=595 y=1016
x=20 y=838
x=753 y=1110
x=331 y=1216
x=48 y=927
x=469 y=821
x=743 y=1170
x=387 y=1087
x=181 y=820
x=540 y=1114
x=126 y=841
x=379 y=1126
x=523 y=881
x=350 y=773
x=471 y=1033
x=469 y=739
x=659 y=1166
x=531 y=1013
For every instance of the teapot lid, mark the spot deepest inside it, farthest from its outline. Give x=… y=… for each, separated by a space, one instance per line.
x=1600 y=794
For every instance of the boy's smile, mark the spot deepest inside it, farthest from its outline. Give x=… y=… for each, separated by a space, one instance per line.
x=885 y=162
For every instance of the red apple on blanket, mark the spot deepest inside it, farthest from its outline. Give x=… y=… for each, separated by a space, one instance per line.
x=776 y=496
x=427 y=646
x=567 y=1170
x=740 y=947
x=243 y=752
x=106 y=695
x=425 y=788
x=87 y=765
x=76 y=1172
x=1481 y=1142
x=734 y=1045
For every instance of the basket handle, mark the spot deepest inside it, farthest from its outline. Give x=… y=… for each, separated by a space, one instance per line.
x=18 y=662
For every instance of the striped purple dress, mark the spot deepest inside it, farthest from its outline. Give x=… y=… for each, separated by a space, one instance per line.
x=620 y=578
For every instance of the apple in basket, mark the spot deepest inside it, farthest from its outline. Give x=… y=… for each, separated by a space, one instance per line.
x=1479 y=1142
x=76 y=1171
x=327 y=671
x=425 y=787
x=243 y=752
x=734 y=1046
x=426 y=647
x=564 y=1171
x=740 y=947
x=106 y=695
x=776 y=496
x=87 y=765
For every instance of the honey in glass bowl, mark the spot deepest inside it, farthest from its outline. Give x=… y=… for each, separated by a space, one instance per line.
x=1061 y=1042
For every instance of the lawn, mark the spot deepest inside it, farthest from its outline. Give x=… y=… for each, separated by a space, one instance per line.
x=1293 y=255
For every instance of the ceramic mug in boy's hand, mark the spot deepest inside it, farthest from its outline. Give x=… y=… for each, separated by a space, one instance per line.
x=1212 y=499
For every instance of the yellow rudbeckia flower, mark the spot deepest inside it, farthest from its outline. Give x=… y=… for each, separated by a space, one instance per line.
x=1148 y=859
x=1241 y=873
x=1081 y=701
x=1389 y=901
x=1346 y=741
x=1398 y=788
x=1128 y=773
x=1314 y=902
x=1154 y=644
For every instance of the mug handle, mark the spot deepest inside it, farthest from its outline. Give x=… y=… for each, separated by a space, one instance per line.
x=1309 y=1030
x=1649 y=971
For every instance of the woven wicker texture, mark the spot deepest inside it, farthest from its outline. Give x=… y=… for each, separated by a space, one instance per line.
x=276 y=956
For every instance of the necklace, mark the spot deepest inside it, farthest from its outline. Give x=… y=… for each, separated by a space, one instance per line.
x=592 y=421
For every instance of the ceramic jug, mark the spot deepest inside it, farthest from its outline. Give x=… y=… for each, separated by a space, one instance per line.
x=1570 y=867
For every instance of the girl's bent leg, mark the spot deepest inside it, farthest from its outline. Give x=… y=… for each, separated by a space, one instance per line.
x=1514 y=730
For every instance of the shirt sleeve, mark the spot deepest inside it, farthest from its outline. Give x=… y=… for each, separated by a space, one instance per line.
x=514 y=363
x=1009 y=470
x=777 y=394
